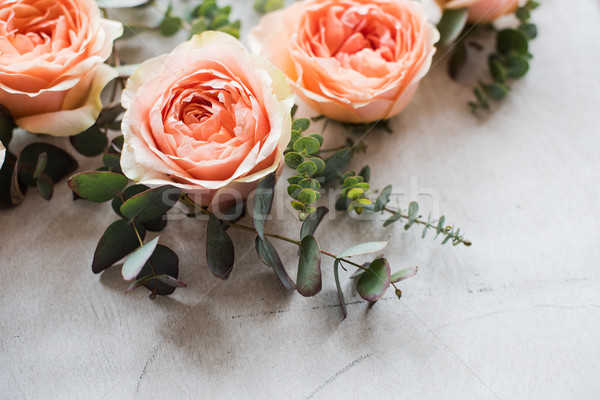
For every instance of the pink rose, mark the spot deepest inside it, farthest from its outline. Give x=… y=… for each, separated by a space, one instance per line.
x=484 y=11
x=208 y=118
x=351 y=60
x=51 y=63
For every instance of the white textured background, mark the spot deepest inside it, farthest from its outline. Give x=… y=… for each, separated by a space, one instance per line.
x=516 y=316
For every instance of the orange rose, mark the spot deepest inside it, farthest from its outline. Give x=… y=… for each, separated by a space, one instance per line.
x=484 y=11
x=350 y=60
x=208 y=118
x=51 y=63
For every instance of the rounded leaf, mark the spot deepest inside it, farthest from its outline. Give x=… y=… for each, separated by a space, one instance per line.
x=98 y=186
x=374 y=282
x=308 y=282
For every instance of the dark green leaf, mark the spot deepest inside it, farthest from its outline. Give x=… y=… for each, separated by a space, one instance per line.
x=136 y=260
x=45 y=186
x=165 y=262
x=451 y=25
x=293 y=160
x=219 y=249
x=383 y=198
x=308 y=282
x=294 y=191
x=317 y=136
x=365 y=173
x=310 y=225
x=517 y=67
x=91 y=142
x=496 y=91
x=269 y=256
x=512 y=41
x=335 y=165
x=263 y=201
x=41 y=165
x=529 y=30
x=396 y=217
x=170 y=25
x=98 y=186
x=374 y=282
x=319 y=163
x=118 y=240
x=497 y=70
x=307 y=196
x=6 y=179
x=457 y=60
x=339 y=287
x=150 y=204
x=60 y=163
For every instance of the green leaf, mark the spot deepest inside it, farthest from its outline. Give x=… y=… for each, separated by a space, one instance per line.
x=155 y=225
x=170 y=25
x=307 y=144
x=512 y=41
x=529 y=30
x=363 y=248
x=319 y=163
x=293 y=160
x=45 y=186
x=372 y=285
x=263 y=201
x=317 y=136
x=294 y=191
x=91 y=142
x=339 y=287
x=396 y=217
x=6 y=180
x=309 y=282
x=307 y=196
x=150 y=204
x=383 y=198
x=307 y=168
x=40 y=167
x=451 y=25
x=165 y=262
x=301 y=125
x=199 y=25
x=311 y=223
x=404 y=274
x=365 y=173
x=118 y=240
x=60 y=163
x=136 y=261
x=496 y=91
x=516 y=66
x=269 y=256
x=309 y=183
x=336 y=164
x=457 y=60
x=219 y=249
x=497 y=70
x=413 y=211
x=98 y=186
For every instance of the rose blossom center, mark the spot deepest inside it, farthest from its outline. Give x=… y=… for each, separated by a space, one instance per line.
x=355 y=34
x=37 y=26
x=209 y=118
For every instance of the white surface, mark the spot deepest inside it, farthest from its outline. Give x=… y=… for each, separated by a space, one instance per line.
x=516 y=316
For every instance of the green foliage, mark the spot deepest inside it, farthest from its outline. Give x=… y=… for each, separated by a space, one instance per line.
x=209 y=16
x=97 y=186
x=340 y=293
x=170 y=24
x=510 y=61
x=160 y=273
x=118 y=240
x=354 y=189
x=219 y=249
x=364 y=248
x=308 y=282
x=267 y=6
x=263 y=201
x=150 y=204
x=312 y=221
x=373 y=284
x=269 y=256
x=451 y=25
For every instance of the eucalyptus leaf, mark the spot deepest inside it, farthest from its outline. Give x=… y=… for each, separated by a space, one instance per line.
x=98 y=186
x=336 y=274
x=383 y=198
x=512 y=41
x=263 y=201
x=136 y=260
x=452 y=24
x=308 y=282
x=91 y=142
x=363 y=248
x=269 y=256
x=164 y=262
x=404 y=274
x=220 y=253
x=312 y=221
x=45 y=186
x=457 y=60
x=335 y=165
x=150 y=204
x=301 y=124
x=60 y=163
x=372 y=285
x=118 y=240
